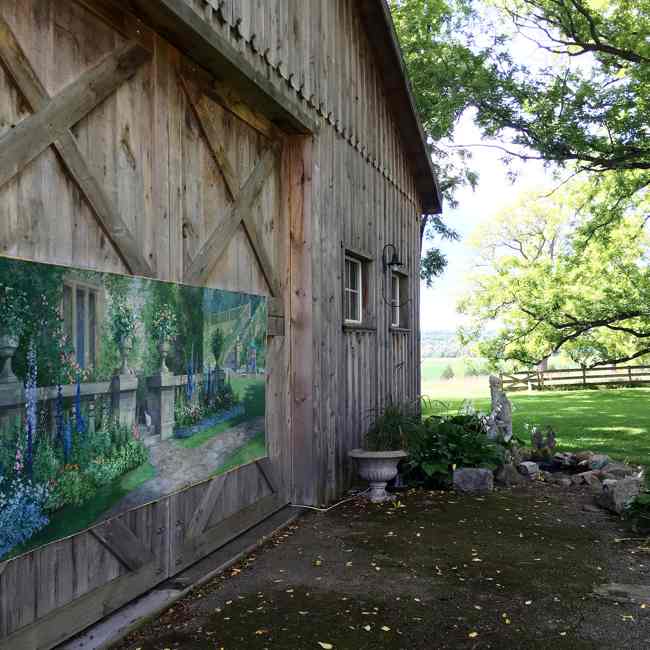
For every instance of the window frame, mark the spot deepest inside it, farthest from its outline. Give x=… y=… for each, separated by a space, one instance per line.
x=395 y=301
x=358 y=264
x=90 y=326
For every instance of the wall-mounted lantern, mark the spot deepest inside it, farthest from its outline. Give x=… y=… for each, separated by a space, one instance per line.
x=390 y=261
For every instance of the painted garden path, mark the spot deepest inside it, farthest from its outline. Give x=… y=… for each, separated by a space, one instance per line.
x=178 y=467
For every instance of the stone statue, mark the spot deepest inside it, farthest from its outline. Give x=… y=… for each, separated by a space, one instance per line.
x=500 y=419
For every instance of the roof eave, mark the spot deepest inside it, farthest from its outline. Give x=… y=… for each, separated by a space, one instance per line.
x=381 y=31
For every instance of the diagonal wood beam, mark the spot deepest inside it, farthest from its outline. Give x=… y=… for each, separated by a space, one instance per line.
x=205 y=116
x=216 y=244
x=50 y=125
x=260 y=253
x=270 y=476
x=202 y=514
x=119 y=539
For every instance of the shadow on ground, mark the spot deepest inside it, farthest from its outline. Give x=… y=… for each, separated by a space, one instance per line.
x=511 y=570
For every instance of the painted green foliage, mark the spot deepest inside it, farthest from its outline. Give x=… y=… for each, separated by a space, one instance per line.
x=82 y=413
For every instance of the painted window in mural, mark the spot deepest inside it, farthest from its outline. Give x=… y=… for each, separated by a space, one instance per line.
x=117 y=391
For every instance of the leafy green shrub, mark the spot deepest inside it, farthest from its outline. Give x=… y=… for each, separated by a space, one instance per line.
x=441 y=444
x=447 y=373
x=639 y=512
x=72 y=486
x=46 y=464
x=188 y=413
x=393 y=428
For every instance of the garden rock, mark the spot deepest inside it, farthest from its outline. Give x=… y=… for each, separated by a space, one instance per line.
x=583 y=456
x=565 y=460
x=473 y=480
x=617 y=495
x=508 y=475
x=598 y=461
x=529 y=469
x=619 y=471
x=593 y=481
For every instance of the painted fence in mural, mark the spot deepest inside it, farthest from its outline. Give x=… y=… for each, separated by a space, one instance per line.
x=116 y=391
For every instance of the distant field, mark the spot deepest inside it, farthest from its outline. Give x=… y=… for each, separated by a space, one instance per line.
x=433 y=367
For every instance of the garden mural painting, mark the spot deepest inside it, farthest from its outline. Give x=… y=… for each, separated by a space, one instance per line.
x=116 y=391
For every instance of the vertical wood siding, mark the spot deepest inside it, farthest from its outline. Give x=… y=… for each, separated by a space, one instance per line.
x=350 y=187
x=367 y=197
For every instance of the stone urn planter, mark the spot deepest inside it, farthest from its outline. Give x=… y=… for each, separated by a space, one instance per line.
x=124 y=351
x=164 y=348
x=8 y=346
x=378 y=467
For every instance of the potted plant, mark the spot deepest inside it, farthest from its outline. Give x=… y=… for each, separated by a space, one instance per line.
x=122 y=323
x=385 y=444
x=13 y=305
x=164 y=328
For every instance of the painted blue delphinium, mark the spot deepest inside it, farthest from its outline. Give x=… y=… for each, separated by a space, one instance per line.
x=21 y=512
x=31 y=402
x=190 y=381
x=67 y=440
x=58 y=414
x=79 y=421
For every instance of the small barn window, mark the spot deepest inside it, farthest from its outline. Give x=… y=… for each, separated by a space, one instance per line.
x=395 y=303
x=79 y=313
x=353 y=291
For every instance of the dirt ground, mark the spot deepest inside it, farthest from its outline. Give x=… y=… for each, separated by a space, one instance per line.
x=515 y=569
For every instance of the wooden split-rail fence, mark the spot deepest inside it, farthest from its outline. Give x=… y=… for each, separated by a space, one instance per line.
x=576 y=378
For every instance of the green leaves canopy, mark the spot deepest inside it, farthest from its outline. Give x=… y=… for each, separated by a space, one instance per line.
x=544 y=288
x=582 y=99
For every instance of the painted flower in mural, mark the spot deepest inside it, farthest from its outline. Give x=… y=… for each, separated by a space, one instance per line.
x=13 y=305
x=70 y=369
x=164 y=325
x=122 y=321
x=31 y=404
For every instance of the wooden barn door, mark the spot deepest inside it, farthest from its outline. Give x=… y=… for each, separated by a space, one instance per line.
x=137 y=162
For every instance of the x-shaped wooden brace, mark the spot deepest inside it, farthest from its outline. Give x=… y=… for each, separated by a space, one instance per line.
x=240 y=211
x=51 y=123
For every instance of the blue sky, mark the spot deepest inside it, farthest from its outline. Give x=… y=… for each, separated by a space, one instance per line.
x=494 y=192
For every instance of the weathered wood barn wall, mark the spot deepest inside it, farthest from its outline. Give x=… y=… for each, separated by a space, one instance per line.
x=247 y=145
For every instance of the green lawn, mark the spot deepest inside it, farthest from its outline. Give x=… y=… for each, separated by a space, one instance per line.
x=254 y=449
x=610 y=421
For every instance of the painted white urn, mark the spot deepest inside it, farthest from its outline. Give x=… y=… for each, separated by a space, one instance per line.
x=378 y=467
x=8 y=346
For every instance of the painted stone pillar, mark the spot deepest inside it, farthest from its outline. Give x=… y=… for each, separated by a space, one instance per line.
x=12 y=399
x=124 y=398
x=162 y=390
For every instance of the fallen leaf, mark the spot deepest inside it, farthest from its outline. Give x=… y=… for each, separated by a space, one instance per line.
x=385 y=628
x=325 y=646
x=367 y=628
x=472 y=635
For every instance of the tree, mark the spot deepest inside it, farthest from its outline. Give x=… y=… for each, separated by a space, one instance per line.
x=447 y=373
x=584 y=105
x=544 y=293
